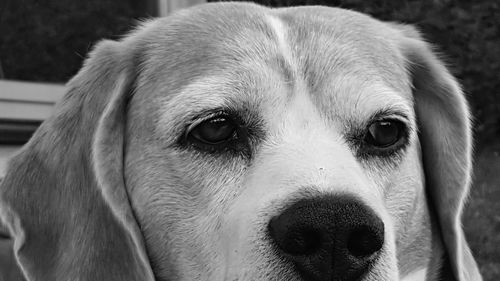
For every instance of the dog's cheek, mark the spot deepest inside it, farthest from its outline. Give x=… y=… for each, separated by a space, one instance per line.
x=180 y=205
x=407 y=205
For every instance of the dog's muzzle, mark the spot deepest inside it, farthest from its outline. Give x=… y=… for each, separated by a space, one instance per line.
x=328 y=238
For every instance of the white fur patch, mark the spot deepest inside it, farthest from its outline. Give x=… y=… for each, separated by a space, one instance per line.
x=280 y=32
x=419 y=275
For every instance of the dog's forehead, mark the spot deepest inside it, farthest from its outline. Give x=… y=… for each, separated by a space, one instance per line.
x=345 y=57
x=339 y=56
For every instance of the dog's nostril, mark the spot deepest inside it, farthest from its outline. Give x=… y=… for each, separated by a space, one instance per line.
x=365 y=242
x=301 y=241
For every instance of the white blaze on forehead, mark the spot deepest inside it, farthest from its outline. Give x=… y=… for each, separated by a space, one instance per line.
x=280 y=31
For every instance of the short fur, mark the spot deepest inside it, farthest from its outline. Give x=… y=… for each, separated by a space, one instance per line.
x=105 y=191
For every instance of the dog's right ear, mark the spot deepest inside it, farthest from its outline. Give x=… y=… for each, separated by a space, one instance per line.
x=63 y=198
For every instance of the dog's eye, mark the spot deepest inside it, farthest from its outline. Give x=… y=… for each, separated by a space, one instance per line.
x=384 y=133
x=214 y=131
x=221 y=131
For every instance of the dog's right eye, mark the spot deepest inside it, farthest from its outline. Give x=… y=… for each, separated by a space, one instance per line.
x=217 y=132
x=214 y=131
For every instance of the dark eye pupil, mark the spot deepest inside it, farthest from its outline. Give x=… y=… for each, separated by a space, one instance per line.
x=214 y=131
x=384 y=133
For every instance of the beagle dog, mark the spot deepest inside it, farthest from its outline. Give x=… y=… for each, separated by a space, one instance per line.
x=231 y=141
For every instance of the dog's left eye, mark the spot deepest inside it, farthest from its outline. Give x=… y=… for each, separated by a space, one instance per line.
x=214 y=131
x=384 y=133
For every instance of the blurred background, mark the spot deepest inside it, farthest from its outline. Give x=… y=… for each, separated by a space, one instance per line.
x=44 y=42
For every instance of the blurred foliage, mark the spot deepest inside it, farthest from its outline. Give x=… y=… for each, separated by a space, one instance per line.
x=482 y=215
x=46 y=40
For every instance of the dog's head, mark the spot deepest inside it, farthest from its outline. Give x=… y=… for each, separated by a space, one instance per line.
x=236 y=142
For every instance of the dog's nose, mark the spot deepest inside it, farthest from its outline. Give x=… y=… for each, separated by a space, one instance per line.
x=328 y=238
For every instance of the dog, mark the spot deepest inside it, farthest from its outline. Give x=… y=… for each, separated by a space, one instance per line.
x=232 y=141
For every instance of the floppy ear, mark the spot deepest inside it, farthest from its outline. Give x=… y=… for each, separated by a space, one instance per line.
x=445 y=137
x=63 y=197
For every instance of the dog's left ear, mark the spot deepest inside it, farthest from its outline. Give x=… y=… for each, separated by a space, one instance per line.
x=63 y=197
x=446 y=140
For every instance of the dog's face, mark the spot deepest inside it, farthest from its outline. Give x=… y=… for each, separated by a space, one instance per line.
x=237 y=142
x=262 y=109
